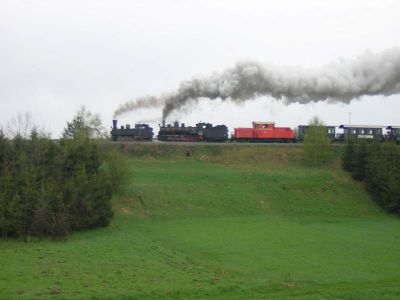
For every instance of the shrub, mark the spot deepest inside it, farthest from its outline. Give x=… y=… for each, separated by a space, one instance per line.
x=50 y=188
x=379 y=166
x=382 y=176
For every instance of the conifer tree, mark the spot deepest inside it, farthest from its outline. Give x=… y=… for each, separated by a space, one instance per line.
x=349 y=156
x=50 y=188
x=359 y=160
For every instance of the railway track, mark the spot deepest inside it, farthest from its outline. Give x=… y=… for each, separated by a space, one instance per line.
x=205 y=144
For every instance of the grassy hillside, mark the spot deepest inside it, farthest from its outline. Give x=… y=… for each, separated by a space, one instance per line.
x=224 y=222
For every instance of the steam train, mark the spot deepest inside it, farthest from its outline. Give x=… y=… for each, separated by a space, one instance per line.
x=260 y=132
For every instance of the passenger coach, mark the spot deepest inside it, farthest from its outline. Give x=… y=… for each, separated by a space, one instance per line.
x=369 y=132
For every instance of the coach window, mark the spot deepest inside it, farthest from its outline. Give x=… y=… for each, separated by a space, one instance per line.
x=362 y=131
x=353 y=131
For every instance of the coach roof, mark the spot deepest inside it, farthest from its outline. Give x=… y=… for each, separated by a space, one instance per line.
x=361 y=126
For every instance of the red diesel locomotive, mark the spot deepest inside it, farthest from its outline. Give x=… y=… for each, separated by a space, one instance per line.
x=264 y=132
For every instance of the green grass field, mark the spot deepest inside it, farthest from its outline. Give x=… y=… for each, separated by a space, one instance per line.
x=246 y=222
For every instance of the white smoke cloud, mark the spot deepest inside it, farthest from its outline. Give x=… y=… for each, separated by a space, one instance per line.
x=368 y=74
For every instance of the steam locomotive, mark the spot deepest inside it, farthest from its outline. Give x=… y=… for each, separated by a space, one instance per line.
x=201 y=132
x=260 y=132
x=141 y=132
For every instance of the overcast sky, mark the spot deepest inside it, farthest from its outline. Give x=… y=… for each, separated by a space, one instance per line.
x=57 y=55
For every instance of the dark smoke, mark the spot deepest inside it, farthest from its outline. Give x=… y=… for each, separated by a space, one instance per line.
x=143 y=102
x=368 y=74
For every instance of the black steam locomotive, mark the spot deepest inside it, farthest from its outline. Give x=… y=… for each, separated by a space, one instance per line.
x=201 y=132
x=141 y=132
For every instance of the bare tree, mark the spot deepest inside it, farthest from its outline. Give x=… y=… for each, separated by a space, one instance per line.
x=21 y=125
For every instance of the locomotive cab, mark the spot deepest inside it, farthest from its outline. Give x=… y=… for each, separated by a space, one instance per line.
x=264 y=125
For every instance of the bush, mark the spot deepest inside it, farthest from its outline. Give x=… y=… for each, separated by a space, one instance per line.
x=379 y=167
x=382 y=176
x=50 y=188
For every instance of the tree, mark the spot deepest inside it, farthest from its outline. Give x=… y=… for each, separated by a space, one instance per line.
x=379 y=167
x=85 y=122
x=349 y=156
x=359 y=161
x=74 y=128
x=317 y=146
x=19 y=125
x=49 y=187
x=382 y=176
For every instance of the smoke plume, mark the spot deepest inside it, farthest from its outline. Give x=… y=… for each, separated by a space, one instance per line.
x=368 y=74
x=142 y=102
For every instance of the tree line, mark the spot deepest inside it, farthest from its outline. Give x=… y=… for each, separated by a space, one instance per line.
x=51 y=187
x=378 y=166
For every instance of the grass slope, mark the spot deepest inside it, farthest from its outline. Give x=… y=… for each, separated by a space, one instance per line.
x=226 y=222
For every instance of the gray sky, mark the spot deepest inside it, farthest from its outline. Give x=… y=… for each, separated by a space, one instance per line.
x=58 y=55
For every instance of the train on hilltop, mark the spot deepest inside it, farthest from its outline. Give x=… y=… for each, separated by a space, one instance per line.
x=259 y=132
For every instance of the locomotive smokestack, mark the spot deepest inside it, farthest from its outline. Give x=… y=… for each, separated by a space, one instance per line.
x=115 y=122
x=368 y=74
